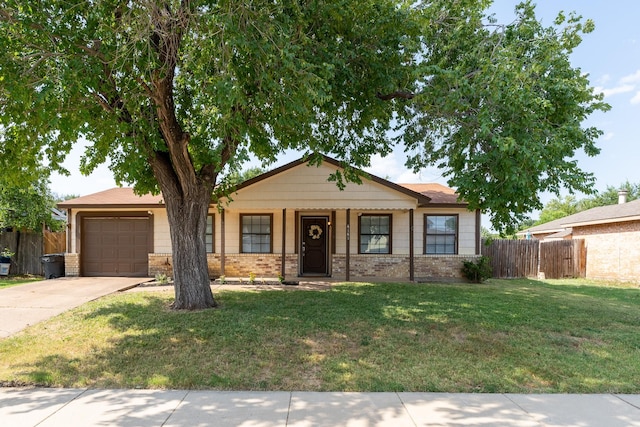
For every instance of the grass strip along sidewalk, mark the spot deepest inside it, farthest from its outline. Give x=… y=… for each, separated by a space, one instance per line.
x=9 y=281
x=519 y=336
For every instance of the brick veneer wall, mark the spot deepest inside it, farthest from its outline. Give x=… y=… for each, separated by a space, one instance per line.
x=236 y=265
x=379 y=266
x=613 y=250
x=367 y=267
x=71 y=265
x=446 y=268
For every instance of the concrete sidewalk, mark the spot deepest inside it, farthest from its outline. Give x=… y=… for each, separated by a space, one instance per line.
x=28 y=304
x=171 y=408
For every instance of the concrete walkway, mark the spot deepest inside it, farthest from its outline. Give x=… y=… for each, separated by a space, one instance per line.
x=172 y=408
x=28 y=304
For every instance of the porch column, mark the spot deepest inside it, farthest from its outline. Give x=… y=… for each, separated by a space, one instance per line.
x=284 y=241
x=411 y=266
x=478 y=233
x=348 y=250
x=222 y=233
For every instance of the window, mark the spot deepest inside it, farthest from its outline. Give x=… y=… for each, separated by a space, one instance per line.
x=209 y=242
x=441 y=233
x=375 y=234
x=256 y=233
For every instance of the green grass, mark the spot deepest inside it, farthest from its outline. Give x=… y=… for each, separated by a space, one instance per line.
x=9 y=281
x=518 y=336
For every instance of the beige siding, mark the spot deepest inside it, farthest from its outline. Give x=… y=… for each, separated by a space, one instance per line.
x=306 y=187
x=161 y=235
x=466 y=228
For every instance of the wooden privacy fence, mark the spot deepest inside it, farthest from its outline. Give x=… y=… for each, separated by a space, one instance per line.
x=527 y=258
x=563 y=258
x=512 y=258
x=29 y=249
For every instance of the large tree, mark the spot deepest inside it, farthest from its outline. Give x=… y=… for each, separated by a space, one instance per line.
x=176 y=94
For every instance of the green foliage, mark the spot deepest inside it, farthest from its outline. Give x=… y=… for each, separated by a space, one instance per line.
x=558 y=208
x=478 y=271
x=6 y=253
x=501 y=109
x=202 y=86
x=235 y=178
x=162 y=278
x=610 y=196
x=27 y=206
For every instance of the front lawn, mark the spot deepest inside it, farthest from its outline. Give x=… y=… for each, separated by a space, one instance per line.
x=519 y=336
x=8 y=281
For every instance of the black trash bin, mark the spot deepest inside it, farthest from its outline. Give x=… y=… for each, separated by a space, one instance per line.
x=53 y=265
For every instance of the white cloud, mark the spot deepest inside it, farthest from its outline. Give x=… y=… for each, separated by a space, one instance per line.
x=608 y=136
x=615 y=90
x=636 y=98
x=631 y=78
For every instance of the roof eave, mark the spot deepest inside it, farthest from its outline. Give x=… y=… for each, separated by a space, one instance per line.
x=604 y=221
x=112 y=206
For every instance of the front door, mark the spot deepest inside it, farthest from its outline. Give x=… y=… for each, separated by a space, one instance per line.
x=315 y=243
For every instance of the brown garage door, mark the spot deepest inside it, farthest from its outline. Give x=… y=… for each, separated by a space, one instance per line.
x=116 y=246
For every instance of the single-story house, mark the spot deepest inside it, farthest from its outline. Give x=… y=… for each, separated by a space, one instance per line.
x=290 y=221
x=611 y=234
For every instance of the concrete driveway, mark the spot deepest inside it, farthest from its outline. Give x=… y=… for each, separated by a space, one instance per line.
x=28 y=304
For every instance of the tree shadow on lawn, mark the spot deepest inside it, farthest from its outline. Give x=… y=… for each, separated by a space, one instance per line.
x=502 y=337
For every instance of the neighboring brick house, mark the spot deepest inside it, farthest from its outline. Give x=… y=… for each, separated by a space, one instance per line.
x=611 y=234
x=291 y=222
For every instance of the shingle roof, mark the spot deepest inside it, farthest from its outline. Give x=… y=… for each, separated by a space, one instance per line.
x=603 y=214
x=113 y=198
x=438 y=193
x=613 y=213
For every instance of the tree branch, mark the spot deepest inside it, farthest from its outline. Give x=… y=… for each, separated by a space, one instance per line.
x=396 y=94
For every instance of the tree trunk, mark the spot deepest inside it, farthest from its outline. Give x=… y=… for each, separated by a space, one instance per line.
x=187 y=223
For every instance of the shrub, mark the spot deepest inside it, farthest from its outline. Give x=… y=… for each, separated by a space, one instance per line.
x=162 y=278
x=479 y=271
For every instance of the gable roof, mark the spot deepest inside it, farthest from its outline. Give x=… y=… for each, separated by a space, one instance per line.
x=629 y=211
x=119 y=197
x=422 y=198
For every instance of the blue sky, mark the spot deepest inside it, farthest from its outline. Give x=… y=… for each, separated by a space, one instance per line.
x=610 y=56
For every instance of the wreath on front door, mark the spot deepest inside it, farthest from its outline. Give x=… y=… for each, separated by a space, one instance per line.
x=315 y=231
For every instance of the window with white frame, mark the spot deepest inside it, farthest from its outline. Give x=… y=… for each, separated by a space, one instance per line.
x=441 y=234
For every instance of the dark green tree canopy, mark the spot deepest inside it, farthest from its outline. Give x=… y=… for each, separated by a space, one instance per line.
x=232 y=78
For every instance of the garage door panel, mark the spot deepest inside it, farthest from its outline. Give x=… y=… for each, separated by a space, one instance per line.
x=115 y=246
